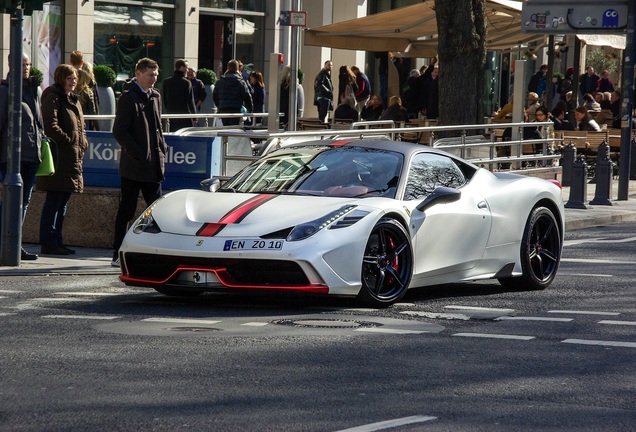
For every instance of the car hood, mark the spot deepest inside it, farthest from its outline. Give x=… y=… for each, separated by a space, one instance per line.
x=192 y=212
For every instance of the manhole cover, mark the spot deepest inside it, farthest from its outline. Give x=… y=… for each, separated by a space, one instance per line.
x=326 y=323
x=191 y=329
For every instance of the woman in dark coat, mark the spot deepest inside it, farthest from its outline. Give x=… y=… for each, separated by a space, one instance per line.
x=395 y=111
x=64 y=124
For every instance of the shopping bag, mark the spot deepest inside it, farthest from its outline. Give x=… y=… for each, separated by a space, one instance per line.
x=49 y=157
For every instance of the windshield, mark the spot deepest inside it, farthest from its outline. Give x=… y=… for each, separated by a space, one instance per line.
x=322 y=171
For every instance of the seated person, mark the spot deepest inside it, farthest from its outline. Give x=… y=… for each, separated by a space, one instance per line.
x=533 y=104
x=373 y=109
x=395 y=111
x=559 y=120
x=346 y=110
x=345 y=180
x=590 y=103
x=605 y=116
x=505 y=110
x=584 y=120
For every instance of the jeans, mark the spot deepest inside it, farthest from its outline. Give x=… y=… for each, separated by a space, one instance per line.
x=52 y=220
x=130 y=189
x=324 y=105
x=27 y=172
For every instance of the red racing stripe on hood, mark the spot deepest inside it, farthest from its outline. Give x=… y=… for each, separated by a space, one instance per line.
x=236 y=215
x=340 y=143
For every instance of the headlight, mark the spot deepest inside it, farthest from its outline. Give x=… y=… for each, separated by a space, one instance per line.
x=145 y=222
x=307 y=229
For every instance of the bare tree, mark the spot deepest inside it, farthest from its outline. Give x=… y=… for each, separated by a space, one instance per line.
x=461 y=26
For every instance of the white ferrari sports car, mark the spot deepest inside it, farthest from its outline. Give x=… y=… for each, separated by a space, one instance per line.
x=363 y=218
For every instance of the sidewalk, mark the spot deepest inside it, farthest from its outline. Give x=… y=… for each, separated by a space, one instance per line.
x=90 y=261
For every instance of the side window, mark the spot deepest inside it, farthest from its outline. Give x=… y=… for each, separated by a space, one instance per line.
x=429 y=171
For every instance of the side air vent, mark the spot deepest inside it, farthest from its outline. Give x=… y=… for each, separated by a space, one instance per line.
x=349 y=219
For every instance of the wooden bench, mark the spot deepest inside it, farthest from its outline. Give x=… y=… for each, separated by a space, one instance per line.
x=578 y=138
x=311 y=124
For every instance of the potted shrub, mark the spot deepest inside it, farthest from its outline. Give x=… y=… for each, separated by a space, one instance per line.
x=37 y=75
x=106 y=79
x=208 y=77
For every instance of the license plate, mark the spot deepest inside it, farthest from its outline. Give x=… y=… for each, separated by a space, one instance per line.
x=231 y=245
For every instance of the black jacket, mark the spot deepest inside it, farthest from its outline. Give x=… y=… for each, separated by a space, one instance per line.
x=323 y=87
x=231 y=93
x=137 y=129
x=31 y=126
x=178 y=98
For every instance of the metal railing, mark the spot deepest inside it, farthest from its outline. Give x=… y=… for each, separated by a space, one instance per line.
x=461 y=144
x=208 y=119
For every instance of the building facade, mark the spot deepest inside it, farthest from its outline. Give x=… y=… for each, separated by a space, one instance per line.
x=208 y=33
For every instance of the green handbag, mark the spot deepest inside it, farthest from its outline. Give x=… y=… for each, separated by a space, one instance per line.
x=48 y=152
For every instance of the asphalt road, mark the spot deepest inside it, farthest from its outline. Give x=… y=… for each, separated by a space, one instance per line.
x=83 y=353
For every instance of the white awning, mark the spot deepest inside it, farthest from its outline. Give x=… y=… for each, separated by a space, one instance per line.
x=614 y=41
x=412 y=30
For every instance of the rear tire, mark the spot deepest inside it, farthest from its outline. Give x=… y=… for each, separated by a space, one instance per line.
x=541 y=247
x=387 y=265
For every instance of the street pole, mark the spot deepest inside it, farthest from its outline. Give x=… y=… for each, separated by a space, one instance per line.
x=293 y=82
x=627 y=105
x=12 y=184
x=273 y=107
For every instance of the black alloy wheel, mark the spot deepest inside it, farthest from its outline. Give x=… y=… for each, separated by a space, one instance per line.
x=387 y=265
x=541 y=247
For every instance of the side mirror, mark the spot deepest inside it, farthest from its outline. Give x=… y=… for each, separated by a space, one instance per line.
x=210 y=184
x=441 y=195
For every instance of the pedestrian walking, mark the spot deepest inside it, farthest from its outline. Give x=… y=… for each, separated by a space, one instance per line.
x=137 y=129
x=63 y=123
x=231 y=94
x=178 y=97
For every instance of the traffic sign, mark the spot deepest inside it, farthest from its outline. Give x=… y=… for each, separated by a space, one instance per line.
x=293 y=18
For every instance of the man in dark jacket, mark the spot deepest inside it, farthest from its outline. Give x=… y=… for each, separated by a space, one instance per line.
x=178 y=97
x=538 y=81
x=588 y=82
x=31 y=131
x=323 y=91
x=231 y=94
x=137 y=129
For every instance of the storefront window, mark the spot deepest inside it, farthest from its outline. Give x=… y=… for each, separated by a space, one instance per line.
x=242 y=5
x=251 y=5
x=223 y=38
x=217 y=4
x=125 y=34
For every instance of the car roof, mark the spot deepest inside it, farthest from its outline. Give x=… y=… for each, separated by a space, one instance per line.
x=408 y=149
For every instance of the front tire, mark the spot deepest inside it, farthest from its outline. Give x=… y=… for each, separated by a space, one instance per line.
x=541 y=247
x=387 y=265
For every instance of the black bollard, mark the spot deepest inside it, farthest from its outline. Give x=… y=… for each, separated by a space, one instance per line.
x=603 y=173
x=578 y=189
x=569 y=156
x=632 y=165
